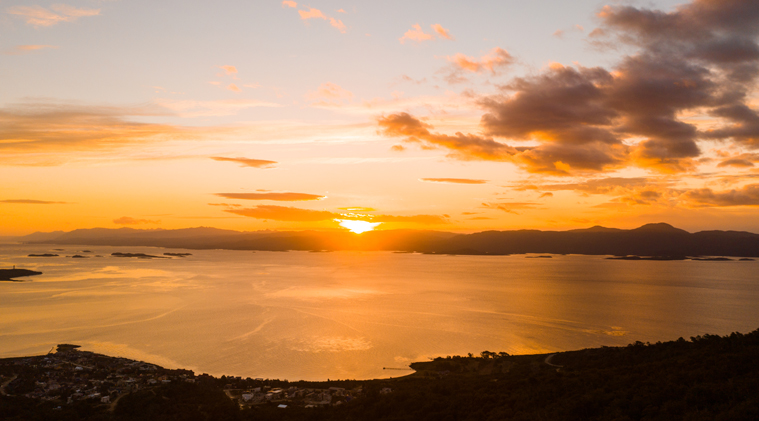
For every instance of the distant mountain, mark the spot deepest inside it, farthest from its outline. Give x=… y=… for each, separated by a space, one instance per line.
x=648 y=240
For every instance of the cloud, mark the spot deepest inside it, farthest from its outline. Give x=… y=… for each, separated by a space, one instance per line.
x=546 y=194
x=330 y=95
x=247 y=162
x=442 y=32
x=284 y=213
x=311 y=13
x=416 y=219
x=226 y=205
x=234 y=88
x=25 y=49
x=230 y=70
x=190 y=108
x=736 y=162
x=40 y=16
x=511 y=207
x=281 y=197
x=609 y=185
x=454 y=180
x=126 y=220
x=358 y=209
x=289 y=3
x=337 y=23
x=492 y=62
x=55 y=127
x=31 y=202
x=465 y=147
x=415 y=34
x=746 y=196
x=700 y=58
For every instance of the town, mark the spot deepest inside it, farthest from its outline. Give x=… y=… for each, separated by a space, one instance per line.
x=71 y=375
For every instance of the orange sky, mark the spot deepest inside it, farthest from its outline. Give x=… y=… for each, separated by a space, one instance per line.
x=285 y=115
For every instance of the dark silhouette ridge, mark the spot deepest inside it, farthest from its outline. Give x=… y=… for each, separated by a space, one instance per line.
x=653 y=240
x=9 y=274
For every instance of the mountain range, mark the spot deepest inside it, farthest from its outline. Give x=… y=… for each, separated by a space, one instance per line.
x=658 y=239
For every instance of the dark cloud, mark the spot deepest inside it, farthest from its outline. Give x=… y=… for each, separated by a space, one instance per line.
x=465 y=147
x=31 y=202
x=701 y=57
x=247 y=162
x=454 y=180
x=745 y=196
x=281 y=197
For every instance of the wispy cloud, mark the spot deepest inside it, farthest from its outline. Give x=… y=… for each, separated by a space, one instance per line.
x=39 y=16
x=25 y=49
x=338 y=24
x=280 y=197
x=285 y=213
x=289 y=3
x=126 y=220
x=31 y=202
x=454 y=180
x=247 y=162
x=442 y=32
x=492 y=62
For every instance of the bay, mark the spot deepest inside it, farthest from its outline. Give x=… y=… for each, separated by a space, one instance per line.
x=346 y=315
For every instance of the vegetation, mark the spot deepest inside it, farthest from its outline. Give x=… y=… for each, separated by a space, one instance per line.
x=707 y=378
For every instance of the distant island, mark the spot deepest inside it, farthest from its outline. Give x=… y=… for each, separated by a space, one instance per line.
x=659 y=241
x=9 y=274
x=706 y=377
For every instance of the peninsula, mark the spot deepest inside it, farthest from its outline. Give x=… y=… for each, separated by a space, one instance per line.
x=706 y=377
x=9 y=274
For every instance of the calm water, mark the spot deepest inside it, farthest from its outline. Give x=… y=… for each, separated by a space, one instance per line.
x=302 y=315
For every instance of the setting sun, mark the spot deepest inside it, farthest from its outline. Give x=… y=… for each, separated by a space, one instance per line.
x=357 y=226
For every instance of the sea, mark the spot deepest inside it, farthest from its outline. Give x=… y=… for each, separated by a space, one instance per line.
x=356 y=315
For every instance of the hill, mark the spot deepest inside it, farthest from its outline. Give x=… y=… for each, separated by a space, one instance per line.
x=648 y=240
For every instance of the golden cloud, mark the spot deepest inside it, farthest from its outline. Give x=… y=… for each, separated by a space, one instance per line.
x=247 y=162
x=289 y=3
x=282 y=197
x=454 y=180
x=31 y=202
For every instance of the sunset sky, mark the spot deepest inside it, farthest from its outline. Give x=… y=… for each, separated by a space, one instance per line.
x=453 y=116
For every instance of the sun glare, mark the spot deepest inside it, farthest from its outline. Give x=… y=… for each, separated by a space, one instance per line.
x=357 y=226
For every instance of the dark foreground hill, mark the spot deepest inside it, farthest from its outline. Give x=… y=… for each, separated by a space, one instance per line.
x=649 y=240
x=707 y=378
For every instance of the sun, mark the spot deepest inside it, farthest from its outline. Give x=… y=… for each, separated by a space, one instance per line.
x=357 y=226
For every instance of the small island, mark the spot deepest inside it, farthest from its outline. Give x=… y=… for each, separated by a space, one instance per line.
x=138 y=255
x=43 y=255
x=9 y=274
x=178 y=254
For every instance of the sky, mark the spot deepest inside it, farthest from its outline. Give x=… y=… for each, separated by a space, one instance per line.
x=451 y=116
